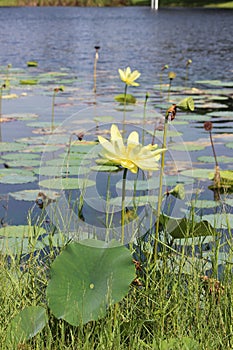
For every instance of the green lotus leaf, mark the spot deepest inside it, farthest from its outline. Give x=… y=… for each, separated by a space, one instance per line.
x=86 y=279
x=42 y=124
x=178 y=191
x=221 y=114
x=28 y=81
x=186 y=104
x=197 y=173
x=24 y=162
x=16 y=172
x=61 y=162
x=215 y=83
x=225 y=175
x=21 y=155
x=26 y=324
x=128 y=99
x=193 y=117
x=104 y=168
x=229 y=145
x=21 y=231
x=32 y=64
x=139 y=185
x=170 y=133
x=136 y=201
x=211 y=159
x=11 y=146
x=103 y=119
x=210 y=105
x=56 y=171
x=220 y=220
x=42 y=148
x=187 y=147
x=203 y=204
x=67 y=183
x=31 y=195
x=83 y=147
x=185 y=228
x=21 y=116
x=18 y=246
x=17 y=179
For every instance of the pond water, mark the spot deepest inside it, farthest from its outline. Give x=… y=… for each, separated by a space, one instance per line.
x=62 y=41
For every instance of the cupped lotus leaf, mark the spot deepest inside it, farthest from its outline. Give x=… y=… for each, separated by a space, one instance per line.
x=221 y=114
x=203 y=204
x=67 y=183
x=220 y=220
x=178 y=191
x=186 y=104
x=185 y=228
x=188 y=146
x=103 y=119
x=26 y=324
x=21 y=155
x=17 y=179
x=32 y=64
x=128 y=99
x=211 y=159
x=21 y=231
x=86 y=279
x=11 y=146
x=197 y=173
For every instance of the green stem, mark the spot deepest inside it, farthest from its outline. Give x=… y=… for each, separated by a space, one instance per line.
x=160 y=197
x=95 y=65
x=169 y=89
x=144 y=118
x=125 y=93
x=52 y=119
x=123 y=206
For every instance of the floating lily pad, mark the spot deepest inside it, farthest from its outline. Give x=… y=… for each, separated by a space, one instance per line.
x=104 y=168
x=22 y=116
x=11 y=146
x=192 y=117
x=211 y=159
x=220 y=220
x=31 y=195
x=23 y=156
x=221 y=114
x=188 y=146
x=17 y=179
x=16 y=172
x=26 y=324
x=229 y=144
x=103 y=119
x=225 y=175
x=42 y=124
x=28 y=81
x=61 y=171
x=122 y=98
x=42 y=148
x=197 y=173
x=21 y=231
x=82 y=147
x=67 y=183
x=86 y=279
x=62 y=162
x=24 y=162
x=203 y=204
x=18 y=246
x=136 y=201
x=215 y=83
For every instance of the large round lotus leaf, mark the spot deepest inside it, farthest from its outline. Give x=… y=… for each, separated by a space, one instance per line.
x=23 y=156
x=103 y=119
x=67 y=183
x=82 y=147
x=87 y=278
x=220 y=220
x=211 y=159
x=26 y=324
x=18 y=246
x=42 y=124
x=211 y=105
x=215 y=83
x=228 y=114
x=197 y=173
x=122 y=98
x=21 y=231
x=170 y=133
x=17 y=179
x=11 y=146
x=43 y=148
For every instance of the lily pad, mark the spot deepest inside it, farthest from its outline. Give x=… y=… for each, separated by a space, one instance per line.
x=221 y=114
x=28 y=81
x=31 y=195
x=26 y=324
x=229 y=145
x=21 y=231
x=219 y=220
x=103 y=119
x=211 y=159
x=203 y=204
x=42 y=124
x=23 y=156
x=17 y=179
x=67 y=183
x=86 y=278
x=197 y=173
x=104 y=168
x=16 y=172
x=188 y=146
x=24 y=162
x=128 y=99
x=61 y=171
x=11 y=146
x=21 y=116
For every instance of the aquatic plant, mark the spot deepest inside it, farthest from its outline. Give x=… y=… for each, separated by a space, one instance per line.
x=55 y=91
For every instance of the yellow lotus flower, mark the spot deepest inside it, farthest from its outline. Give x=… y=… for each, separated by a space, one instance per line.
x=133 y=155
x=129 y=77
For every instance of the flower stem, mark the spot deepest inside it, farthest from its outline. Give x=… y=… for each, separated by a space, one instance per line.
x=95 y=65
x=123 y=206
x=160 y=197
x=125 y=93
x=217 y=177
x=52 y=118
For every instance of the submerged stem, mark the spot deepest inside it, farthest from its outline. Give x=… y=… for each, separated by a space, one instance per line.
x=123 y=206
x=160 y=188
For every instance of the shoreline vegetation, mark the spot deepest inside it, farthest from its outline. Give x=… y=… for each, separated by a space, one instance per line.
x=101 y=3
